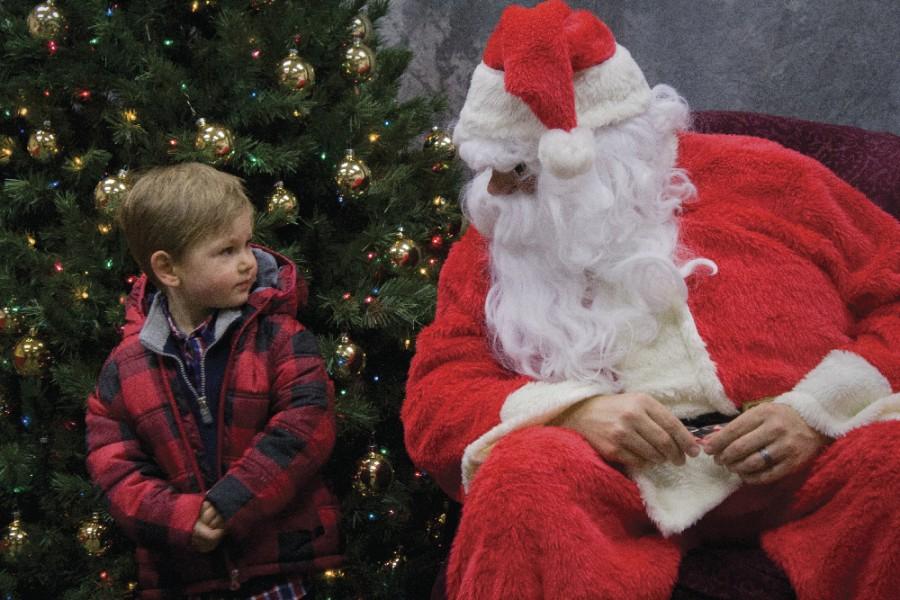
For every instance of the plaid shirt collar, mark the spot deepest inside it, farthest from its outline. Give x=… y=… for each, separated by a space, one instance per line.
x=191 y=345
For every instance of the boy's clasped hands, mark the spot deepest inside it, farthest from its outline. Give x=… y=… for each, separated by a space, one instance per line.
x=209 y=529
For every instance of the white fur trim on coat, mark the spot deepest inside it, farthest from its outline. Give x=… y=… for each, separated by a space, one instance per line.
x=843 y=392
x=532 y=404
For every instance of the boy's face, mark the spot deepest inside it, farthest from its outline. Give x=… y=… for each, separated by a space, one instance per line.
x=216 y=272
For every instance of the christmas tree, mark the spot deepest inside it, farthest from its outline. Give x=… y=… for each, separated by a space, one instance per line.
x=300 y=100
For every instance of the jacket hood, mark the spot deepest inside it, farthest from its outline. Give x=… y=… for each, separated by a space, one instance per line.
x=279 y=288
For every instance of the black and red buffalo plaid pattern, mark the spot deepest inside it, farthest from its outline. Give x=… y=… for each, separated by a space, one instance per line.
x=275 y=427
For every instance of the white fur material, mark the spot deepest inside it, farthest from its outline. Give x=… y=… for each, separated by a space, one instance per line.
x=532 y=404
x=607 y=93
x=567 y=154
x=843 y=392
x=676 y=369
x=677 y=497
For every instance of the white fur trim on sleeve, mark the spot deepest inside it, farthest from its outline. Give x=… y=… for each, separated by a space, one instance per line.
x=532 y=404
x=843 y=392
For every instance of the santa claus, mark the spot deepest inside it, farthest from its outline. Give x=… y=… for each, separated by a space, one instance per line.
x=625 y=288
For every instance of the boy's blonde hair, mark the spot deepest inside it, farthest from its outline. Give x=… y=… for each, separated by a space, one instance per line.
x=174 y=207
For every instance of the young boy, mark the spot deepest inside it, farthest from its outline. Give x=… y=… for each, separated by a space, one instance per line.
x=211 y=419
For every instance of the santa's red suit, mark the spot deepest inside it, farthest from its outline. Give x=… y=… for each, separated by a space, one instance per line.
x=804 y=309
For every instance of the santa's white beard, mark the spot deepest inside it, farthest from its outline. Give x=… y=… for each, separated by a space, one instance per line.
x=583 y=268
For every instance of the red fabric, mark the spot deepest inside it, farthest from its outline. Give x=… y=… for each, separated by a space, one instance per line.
x=807 y=265
x=540 y=48
x=276 y=429
x=867 y=160
x=547 y=519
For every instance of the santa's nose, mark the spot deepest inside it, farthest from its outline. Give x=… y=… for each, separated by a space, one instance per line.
x=502 y=184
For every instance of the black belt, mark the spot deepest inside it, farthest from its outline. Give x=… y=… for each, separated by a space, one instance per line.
x=707 y=419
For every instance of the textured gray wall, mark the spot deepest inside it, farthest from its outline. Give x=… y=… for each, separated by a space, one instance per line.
x=836 y=61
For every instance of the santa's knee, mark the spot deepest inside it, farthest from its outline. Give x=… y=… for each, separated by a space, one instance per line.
x=531 y=458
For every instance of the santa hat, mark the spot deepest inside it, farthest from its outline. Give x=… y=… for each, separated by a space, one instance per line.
x=548 y=77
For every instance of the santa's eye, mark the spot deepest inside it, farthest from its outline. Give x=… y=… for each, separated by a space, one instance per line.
x=521 y=170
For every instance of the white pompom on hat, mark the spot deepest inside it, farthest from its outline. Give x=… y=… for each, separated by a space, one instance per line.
x=548 y=77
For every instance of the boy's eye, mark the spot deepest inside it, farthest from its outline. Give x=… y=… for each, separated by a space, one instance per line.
x=228 y=250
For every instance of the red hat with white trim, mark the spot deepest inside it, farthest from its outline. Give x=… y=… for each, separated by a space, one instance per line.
x=548 y=77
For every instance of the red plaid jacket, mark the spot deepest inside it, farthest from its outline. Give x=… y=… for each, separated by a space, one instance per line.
x=275 y=430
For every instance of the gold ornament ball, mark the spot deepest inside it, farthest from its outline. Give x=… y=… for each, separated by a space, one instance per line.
x=358 y=64
x=15 y=539
x=353 y=176
x=9 y=320
x=394 y=563
x=7 y=149
x=436 y=526
x=439 y=145
x=440 y=204
x=45 y=22
x=30 y=357
x=403 y=253
x=296 y=74
x=110 y=192
x=42 y=144
x=329 y=580
x=349 y=359
x=215 y=140
x=361 y=29
x=92 y=535
x=282 y=199
x=198 y=5
x=374 y=474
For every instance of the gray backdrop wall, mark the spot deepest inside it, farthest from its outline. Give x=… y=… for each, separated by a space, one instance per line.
x=836 y=61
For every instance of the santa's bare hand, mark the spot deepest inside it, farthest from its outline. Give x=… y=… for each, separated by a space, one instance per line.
x=630 y=429
x=766 y=443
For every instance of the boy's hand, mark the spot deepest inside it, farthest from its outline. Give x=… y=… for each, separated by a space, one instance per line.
x=210 y=517
x=209 y=528
x=205 y=539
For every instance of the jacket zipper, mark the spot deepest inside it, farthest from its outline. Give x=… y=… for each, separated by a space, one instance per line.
x=205 y=413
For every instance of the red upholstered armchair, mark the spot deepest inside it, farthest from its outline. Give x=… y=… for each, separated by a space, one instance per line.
x=868 y=160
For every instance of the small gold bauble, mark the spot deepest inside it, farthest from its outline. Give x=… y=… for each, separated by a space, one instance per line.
x=294 y=73
x=361 y=28
x=403 y=253
x=439 y=145
x=395 y=562
x=436 y=526
x=353 y=176
x=30 y=356
x=7 y=149
x=45 y=21
x=15 y=538
x=215 y=140
x=10 y=320
x=374 y=473
x=42 y=144
x=110 y=192
x=349 y=359
x=282 y=199
x=440 y=204
x=92 y=535
x=358 y=64
x=198 y=5
x=329 y=580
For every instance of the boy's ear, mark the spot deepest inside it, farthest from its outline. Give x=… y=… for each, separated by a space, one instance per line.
x=164 y=268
